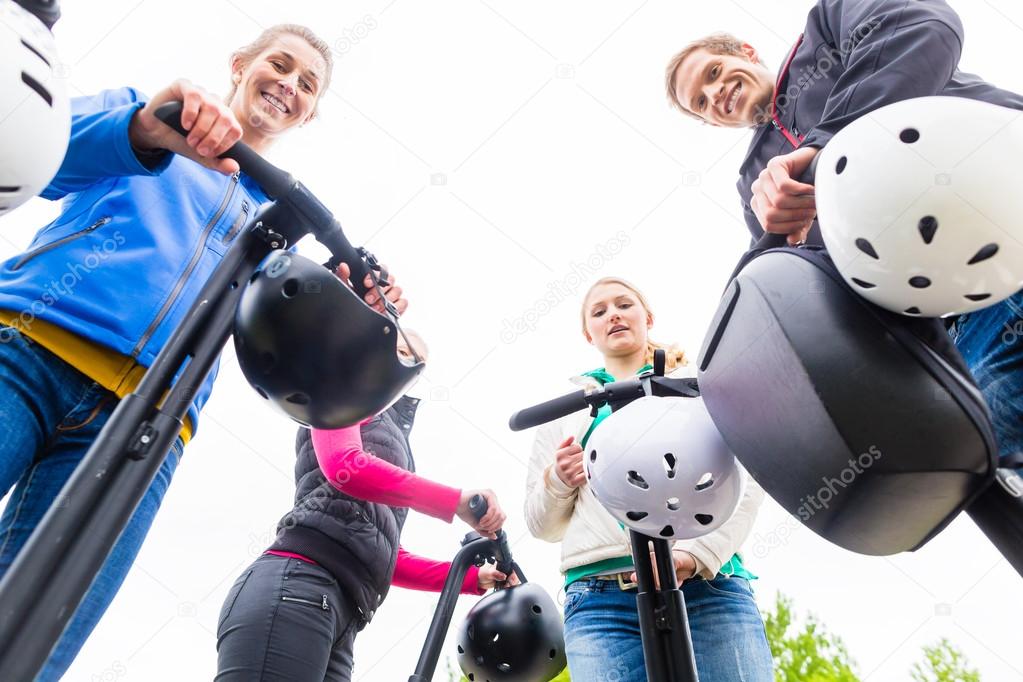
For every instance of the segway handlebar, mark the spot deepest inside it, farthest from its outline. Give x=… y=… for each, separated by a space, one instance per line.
x=616 y=393
x=281 y=186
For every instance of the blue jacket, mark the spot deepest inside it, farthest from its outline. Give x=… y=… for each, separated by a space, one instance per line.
x=856 y=56
x=132 y=247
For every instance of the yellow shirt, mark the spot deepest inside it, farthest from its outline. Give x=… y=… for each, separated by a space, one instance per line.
x=117 y=373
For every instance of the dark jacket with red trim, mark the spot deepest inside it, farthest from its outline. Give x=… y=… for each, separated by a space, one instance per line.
x=856 y=56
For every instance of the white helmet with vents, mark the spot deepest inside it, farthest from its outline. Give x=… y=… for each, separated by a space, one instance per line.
x=921 y=207
x=35 y=114
x=660 y=466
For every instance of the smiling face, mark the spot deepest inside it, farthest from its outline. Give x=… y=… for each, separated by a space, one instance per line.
x=615 y=321
x=278 y=88
x=727 y=90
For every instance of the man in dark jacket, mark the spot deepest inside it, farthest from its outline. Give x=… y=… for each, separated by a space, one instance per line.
x=852 y=58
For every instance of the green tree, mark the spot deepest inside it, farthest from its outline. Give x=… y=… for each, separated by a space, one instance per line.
x=808 y=653
x=944 y=663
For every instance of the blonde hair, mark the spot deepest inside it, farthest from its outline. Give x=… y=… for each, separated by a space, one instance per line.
x=675 y=357
x=247 y=53
x=715 y=43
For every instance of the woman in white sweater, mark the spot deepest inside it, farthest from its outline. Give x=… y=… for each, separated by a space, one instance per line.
x=602 y=635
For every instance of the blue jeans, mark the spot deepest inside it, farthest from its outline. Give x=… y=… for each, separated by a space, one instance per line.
x=603 y=643
x=991 y=342
x=50 y=413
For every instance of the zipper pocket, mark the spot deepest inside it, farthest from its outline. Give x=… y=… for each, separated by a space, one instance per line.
x=320 y=605
x=238 y=223
x=63 y=240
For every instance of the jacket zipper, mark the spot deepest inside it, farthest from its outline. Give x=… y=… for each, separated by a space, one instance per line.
x=320 y=605
x=237 y=223
x=188 y=270
x=63 y=240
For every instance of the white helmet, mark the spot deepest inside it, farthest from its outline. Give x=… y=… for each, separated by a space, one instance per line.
x=660 y=466
x=35 y=115
x=921 y=207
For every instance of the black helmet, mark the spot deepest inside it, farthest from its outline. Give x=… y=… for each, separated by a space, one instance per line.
x=311 y=347
x=512 y=635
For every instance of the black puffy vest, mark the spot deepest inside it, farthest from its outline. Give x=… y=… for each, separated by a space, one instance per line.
x=357 y=541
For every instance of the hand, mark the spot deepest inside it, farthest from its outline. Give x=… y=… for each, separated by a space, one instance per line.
x=211 y=125
x=782 y=204
x=568 y=463
x=391 y=292
x=489 y=577
x=491 y=521
x=685 y=567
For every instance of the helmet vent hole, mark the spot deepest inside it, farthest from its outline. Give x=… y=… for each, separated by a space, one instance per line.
x=552 y=654
x=706 y=481
x=593 y=456
x=9 y=189
x=840 y=166
x=667 y=532
x=912 y=311
x=298 y=399
x=863 y=283
x=977 y=297
x=537 y=610
x=909 y=135
x=635 y=479
x=36 y=52
x=479 y=660
x=673 y=504
x=928 y=225
x=919 y=282
x=504 y=667
x=255 y=276
x=984 y=253
x=669 y=465
x=866 y=247
x=635 y=515
x=704 y=519
x=471 y=632
x=290 y=288
x=38 y=87
x=471 y=677
x=460 y=649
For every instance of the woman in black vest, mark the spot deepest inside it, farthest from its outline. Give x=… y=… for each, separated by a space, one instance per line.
x=293 y=614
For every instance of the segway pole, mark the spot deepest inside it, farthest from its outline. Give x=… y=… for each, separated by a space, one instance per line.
x=50 y=576
x=998 y=512
x=475 y=549
x=663 y=624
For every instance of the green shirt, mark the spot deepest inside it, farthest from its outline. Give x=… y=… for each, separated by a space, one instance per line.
x=732 y=567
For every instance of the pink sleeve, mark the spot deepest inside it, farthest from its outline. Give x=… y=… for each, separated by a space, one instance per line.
x=356 y=472
x=414 y=572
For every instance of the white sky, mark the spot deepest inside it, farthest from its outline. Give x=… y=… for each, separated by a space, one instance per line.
x=487 y=151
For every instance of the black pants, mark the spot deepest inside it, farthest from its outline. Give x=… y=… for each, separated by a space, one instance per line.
x=285 y=620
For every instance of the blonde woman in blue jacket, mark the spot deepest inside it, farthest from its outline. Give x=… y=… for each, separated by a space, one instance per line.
x=86 y=308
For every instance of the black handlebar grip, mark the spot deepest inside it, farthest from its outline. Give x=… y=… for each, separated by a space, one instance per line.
x=548 y=411
x=478 y=506
x=274 y=181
